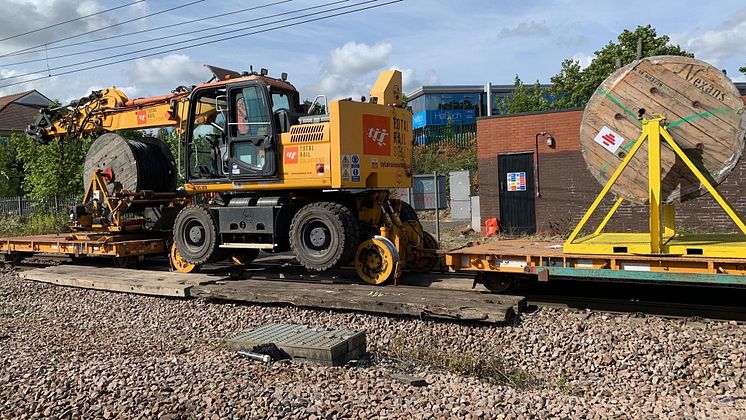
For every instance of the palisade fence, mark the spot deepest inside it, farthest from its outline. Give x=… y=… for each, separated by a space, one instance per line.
x=461 y=134
x=22 y=206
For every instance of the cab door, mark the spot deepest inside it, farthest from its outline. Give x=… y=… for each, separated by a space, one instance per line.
x=251 y=136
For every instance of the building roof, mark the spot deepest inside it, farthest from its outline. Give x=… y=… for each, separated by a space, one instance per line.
x=455 y=89
x=19 y=110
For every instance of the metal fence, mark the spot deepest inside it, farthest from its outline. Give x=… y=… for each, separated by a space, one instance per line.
x=461 y=135
x=21 y=206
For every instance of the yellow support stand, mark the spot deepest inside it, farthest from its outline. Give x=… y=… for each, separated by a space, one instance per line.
x=662 y=238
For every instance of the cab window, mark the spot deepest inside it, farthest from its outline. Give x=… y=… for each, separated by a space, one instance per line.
x=250 y=117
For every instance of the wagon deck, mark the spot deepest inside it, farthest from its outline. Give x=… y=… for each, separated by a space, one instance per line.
x=546 y=259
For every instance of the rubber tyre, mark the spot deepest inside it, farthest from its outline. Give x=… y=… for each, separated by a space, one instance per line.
x=195 y=234
x=498 y=282
x=324 y=235
x=406 y=212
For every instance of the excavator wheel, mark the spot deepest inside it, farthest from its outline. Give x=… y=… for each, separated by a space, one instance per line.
x=426 y=261
x=324 y=235
x=179 y=264
x=376 y=260
x=243 y=257
x=195 y=234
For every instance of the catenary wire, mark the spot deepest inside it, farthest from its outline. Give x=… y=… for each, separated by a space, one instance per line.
x=71 y=20
x=129 y=44
x=208 y=42
x=157 y=28
x=113 y=25
x=48 y=70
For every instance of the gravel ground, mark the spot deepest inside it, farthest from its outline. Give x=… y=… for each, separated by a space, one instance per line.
x=76 y=353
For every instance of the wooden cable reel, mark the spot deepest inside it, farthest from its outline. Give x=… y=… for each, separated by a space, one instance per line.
x=705 y=116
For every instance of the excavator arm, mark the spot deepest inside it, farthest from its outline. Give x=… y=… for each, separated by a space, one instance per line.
x=110 y=110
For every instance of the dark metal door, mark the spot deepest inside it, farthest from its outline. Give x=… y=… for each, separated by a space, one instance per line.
x=517 y=197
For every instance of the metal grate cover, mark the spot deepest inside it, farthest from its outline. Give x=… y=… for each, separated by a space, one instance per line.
x=327 y=346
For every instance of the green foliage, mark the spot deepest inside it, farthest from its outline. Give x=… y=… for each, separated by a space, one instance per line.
x=574 y=86
x=742 y=69
x=54 y=169
x=523 y=99
x=171 y=138
x=34 y=224
x=444 y=157
x=11 y=171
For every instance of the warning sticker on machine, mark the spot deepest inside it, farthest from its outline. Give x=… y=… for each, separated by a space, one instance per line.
x=355 y=160
x=345 y=174
x=609 y=139
x=345 y=160
x=355 y=174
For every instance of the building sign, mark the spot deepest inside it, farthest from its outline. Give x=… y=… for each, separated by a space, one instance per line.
x=516 y=181
x=442 y=117
x=609 y=139
x=376 y=135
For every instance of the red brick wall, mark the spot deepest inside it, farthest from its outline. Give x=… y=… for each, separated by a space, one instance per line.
x=567 y=187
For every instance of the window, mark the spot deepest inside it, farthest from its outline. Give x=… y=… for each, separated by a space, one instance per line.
x=280 y=101
x=249 y=113
x=207 y=134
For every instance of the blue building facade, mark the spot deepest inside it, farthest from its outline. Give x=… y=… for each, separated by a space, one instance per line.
x=456 y=107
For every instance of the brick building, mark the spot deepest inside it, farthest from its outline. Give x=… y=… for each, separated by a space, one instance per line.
x=19 y=110
x=555 y=201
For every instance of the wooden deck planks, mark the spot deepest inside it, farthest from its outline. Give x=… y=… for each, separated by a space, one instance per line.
x=393 y=300
x=155 y=283
x=418 y=301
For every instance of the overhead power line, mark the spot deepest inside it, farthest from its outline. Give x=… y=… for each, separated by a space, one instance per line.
x=157 y=28
x=211 y=42
x=71 y=20
x=42 y=46
x=50 y=69
x=191 y=32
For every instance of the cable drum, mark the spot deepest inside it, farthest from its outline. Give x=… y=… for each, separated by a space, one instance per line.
x=133 y=165
x=705 y=116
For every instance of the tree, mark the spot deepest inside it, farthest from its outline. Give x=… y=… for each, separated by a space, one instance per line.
x=524 y=98
x=54 y=169
x=742 y=69
x=573 y=86
x=11 y=170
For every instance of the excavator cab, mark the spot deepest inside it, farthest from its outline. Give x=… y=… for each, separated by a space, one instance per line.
x=232 y=134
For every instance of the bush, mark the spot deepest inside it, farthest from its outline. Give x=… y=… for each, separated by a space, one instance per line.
x=445 y=157
x=34 y=224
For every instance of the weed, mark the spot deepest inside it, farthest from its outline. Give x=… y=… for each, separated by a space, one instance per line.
x=488 y=365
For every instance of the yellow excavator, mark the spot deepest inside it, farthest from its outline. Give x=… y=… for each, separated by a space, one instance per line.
x=261 y=171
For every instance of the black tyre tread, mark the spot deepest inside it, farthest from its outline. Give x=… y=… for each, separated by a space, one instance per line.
x=212 y=226
x=350 y=231
x=406 y=212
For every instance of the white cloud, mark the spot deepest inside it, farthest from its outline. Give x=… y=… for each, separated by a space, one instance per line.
x=583 y=59
x=412 y=82
x=717 y=45
x=358 y=58
x=526 y=29
x=157 y=76
x=27 y=15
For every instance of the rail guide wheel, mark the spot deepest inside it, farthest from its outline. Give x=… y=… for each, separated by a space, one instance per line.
x=179 y=264
x=426 y=261
x=376 y=260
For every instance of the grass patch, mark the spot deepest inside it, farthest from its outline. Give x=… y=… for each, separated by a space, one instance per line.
x=488 y=365
x=33 y=224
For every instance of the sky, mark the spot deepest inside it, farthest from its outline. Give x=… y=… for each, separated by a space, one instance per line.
x=430 y=41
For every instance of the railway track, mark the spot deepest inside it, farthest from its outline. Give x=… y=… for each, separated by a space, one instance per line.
x=671 y=301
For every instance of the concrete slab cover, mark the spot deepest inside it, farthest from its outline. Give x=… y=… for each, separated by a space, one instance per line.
x=326 y=346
